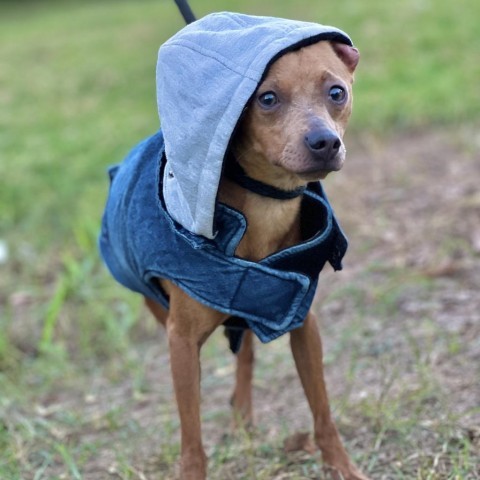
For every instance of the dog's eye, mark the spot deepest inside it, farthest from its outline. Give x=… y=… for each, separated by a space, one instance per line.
x=337 y=94
x=268 y=99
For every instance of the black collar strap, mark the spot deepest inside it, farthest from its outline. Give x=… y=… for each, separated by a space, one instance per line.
x=234 y=172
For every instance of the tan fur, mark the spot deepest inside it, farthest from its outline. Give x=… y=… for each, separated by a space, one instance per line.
x=270 y=146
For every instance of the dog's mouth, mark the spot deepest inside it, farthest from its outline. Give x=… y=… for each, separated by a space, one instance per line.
x=314 y=175
x=318 y=171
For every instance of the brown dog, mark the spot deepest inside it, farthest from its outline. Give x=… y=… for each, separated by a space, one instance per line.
x=290 y=135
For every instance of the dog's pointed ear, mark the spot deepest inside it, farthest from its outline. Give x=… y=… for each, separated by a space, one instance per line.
x=349 y=55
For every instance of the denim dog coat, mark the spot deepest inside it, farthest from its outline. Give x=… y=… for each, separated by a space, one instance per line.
x=162 y=218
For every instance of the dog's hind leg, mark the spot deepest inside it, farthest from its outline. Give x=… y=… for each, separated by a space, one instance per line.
x=242 y=394
x=307 y=351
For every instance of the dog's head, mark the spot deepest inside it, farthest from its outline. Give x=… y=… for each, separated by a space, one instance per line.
x=293 y=126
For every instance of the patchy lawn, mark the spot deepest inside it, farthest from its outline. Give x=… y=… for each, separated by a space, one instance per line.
x=85 y=389
x=401 y=328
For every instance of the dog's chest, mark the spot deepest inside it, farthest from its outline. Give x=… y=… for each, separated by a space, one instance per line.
x=271 y=226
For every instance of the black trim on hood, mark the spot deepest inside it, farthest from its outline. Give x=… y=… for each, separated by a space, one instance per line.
x=327 y=36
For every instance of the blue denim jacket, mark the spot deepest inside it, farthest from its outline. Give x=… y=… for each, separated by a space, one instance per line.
x=140 y=242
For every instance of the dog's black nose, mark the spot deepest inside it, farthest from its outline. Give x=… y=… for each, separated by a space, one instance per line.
x=323 y=143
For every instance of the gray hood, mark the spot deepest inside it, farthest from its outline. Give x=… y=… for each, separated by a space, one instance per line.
x=206 y=74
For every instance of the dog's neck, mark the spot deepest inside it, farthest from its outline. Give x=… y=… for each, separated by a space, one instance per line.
x=235 y=173
x=272 y=224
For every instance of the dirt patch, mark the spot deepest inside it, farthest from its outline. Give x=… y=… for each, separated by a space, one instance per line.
x=413 y=216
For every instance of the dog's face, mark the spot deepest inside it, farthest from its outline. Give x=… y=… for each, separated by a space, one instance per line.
x=295 y=122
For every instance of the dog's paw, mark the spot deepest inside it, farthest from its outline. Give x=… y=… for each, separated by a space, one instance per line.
x=300 y=441
x=345 y=473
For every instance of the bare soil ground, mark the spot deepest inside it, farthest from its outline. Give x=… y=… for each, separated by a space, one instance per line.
x=401 y=332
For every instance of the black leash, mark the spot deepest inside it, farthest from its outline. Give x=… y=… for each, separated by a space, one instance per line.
x=185 y=10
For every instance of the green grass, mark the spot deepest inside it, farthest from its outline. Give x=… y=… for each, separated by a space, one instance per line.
x=77 y=90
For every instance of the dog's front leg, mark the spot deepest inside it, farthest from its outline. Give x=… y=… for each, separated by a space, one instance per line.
x=185 y=365
x=189 y=324
x=307 y=351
